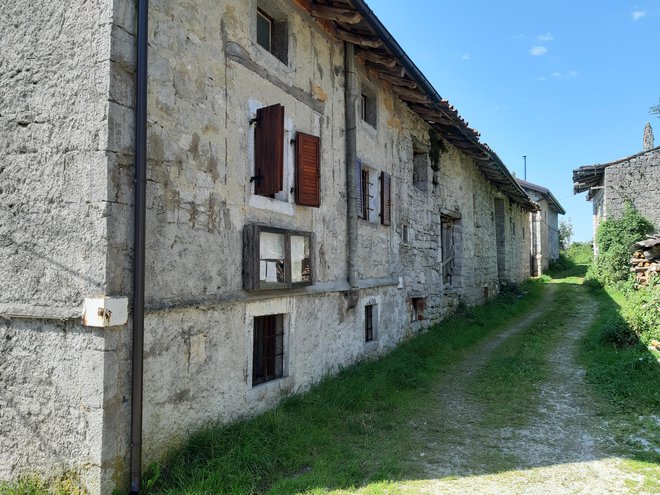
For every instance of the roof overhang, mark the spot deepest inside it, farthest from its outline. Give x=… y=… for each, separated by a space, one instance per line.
x=547 y=194
x=353 y=21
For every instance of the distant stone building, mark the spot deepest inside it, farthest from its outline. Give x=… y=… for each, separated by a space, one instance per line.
x=310 y=201
x=543 y=227
x=635 y=178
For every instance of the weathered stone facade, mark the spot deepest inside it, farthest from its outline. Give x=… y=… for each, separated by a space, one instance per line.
x=67 y=199
x=543 y=227
x=611 y=185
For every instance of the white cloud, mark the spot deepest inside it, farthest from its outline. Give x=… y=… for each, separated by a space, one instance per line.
x=572 y=73
x=466 y=56
x=637 y=14
x=538 y=50
x=546 y=37
x=556 y=74
x=541 y=79
x=518 y=36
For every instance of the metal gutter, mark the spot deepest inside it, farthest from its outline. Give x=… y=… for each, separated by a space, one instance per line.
x=350 y=99
x=381 y=31
x=139 y=245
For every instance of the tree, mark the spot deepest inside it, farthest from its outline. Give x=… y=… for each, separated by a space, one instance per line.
x=655 y=109
x=565 y=234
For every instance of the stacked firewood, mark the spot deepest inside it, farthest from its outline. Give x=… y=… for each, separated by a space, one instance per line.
x=646 y=259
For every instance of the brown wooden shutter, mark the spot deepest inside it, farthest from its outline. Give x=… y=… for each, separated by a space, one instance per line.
x=269 y=150
x=308 y=170
x=358 y=189
x=385 y=198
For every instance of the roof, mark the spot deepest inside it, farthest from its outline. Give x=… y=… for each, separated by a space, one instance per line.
x=353 y=21
x=546 y=193
x=588 y=176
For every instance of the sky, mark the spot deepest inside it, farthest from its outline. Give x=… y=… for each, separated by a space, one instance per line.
x=566 y=83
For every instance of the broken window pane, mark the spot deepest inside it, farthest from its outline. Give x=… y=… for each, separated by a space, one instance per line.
x=300 y=261
x=271 y=257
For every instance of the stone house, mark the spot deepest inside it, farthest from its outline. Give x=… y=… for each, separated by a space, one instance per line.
x=543 y=227
x=308 y=200
x=633 y=178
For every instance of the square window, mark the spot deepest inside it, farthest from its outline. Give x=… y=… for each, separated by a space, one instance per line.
x=276 y=258
x=268 y=348
x=272 y=32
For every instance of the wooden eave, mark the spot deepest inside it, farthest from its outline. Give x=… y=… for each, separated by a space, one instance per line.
x=353 y=21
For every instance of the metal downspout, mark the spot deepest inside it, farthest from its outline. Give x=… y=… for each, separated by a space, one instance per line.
x=350 y=98
x=139 y=245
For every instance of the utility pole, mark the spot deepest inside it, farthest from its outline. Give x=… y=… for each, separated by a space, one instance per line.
x=525 y=169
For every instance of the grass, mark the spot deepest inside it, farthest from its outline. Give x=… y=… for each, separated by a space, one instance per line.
x=523 y=359
x=66 y=484
x=347 y=431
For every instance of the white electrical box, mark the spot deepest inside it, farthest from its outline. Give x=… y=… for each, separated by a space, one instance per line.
x=105 y=311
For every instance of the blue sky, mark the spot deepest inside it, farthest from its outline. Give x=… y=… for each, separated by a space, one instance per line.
x=565 y=83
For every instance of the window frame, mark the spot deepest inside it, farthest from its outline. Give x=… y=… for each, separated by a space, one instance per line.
x=257 y=349
x=278 y=33
x=252 y=258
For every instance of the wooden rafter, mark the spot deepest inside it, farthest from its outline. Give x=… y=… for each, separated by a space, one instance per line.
x=358 y=39
x=377 y=58
x=345 y=16
x=398 y=81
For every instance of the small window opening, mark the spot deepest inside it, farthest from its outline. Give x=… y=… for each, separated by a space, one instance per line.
x=404 y=234
x=268 y=349
x=368 y=106
x=448 y=254
x=369 y=323
x=418 y=307
x=272 y=35
x=421 y=173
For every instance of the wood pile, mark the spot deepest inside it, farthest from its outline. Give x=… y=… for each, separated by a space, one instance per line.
x=646 y=259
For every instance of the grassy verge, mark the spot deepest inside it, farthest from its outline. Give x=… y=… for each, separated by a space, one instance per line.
x=522 y=359
x=625 y=381
x=345 y=432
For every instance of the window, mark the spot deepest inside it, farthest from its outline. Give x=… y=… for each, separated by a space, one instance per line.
x=368 y=111
x=448 y=257
x=276 y=258
x=269 y=151
x=269 y=178
x=418 y=307
x=268 y=348
x=272 y=32
x=369 y=323
x=367 y=190
x=405 y=234
x=421 y=171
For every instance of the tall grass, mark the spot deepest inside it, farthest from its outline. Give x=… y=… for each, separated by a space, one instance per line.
x=348 y=430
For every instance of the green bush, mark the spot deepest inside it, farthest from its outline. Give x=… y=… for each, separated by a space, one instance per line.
x=614 y=238
x=580 y=253
x=618 y=333
x=642 y=310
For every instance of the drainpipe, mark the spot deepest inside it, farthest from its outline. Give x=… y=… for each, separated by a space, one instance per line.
x=350 y=98
x=139 y=245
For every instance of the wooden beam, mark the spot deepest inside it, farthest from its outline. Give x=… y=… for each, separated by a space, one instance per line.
x=429 y=114
x=376 y=58
x=411 y=95
x=356 y=39
x=398 y=81
x=346 y=16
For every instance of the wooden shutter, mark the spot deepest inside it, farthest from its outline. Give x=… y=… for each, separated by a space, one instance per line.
x=269 y=150
x=308 y=170
x=385 y=198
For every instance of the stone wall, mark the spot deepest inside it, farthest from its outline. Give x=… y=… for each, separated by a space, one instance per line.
x=71 y=217
x=635 y=180
x=56 y=130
